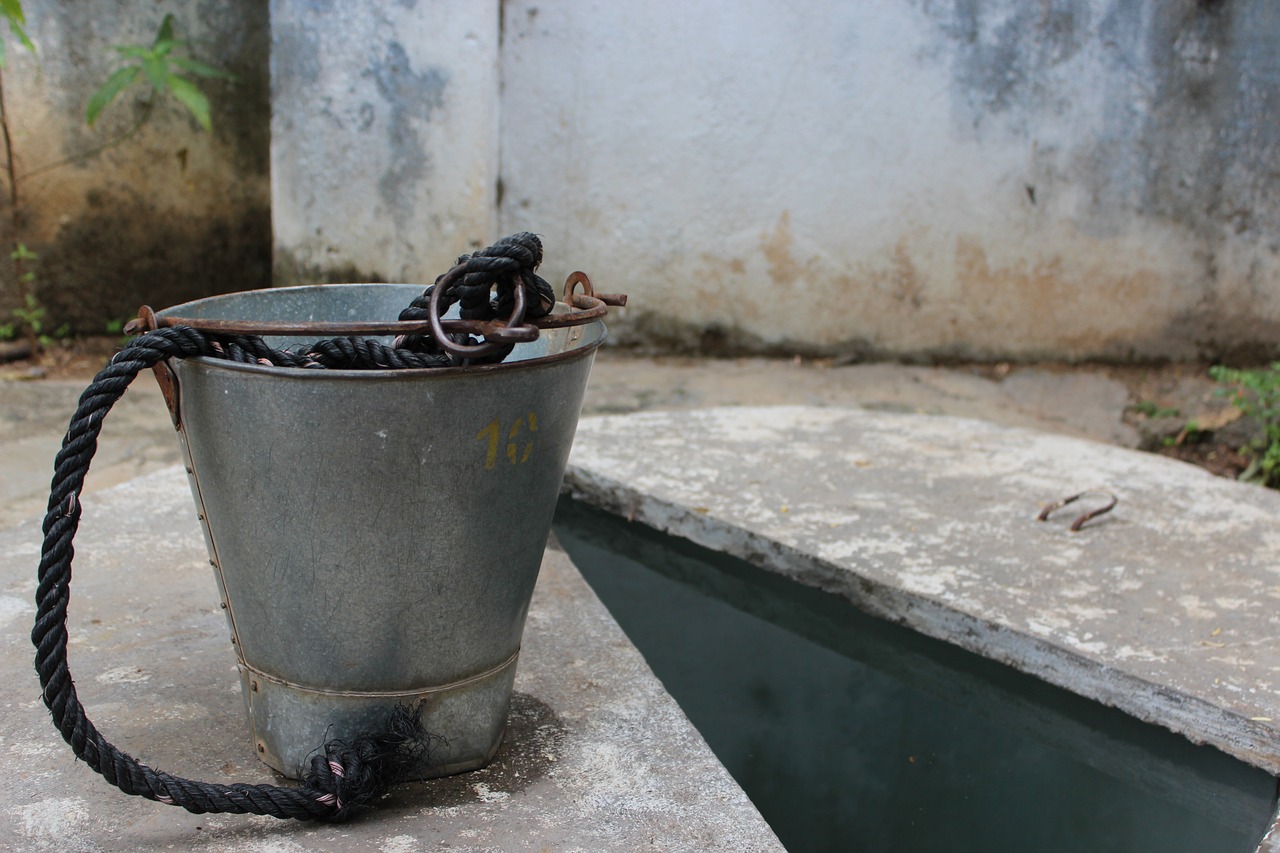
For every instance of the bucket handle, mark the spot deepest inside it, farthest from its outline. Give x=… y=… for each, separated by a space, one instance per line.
x=587 y=306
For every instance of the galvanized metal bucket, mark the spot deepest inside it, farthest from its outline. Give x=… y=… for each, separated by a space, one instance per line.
x=376 y=535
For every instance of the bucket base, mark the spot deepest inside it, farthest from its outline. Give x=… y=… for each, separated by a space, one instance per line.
x=289 y=723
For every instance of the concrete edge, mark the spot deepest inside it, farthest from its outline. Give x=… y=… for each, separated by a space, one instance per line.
x=1199 y=721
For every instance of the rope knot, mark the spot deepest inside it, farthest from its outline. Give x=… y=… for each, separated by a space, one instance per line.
x=486 y=291
x=348 y=774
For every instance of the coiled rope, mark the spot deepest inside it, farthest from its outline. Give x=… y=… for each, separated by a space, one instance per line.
x=342 y=776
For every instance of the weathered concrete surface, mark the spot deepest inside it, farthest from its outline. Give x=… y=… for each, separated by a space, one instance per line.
x=1271 y=841
x=1083 y=403
x=384 y=137
x=1003 y=179
x=598 y=756
x=138 y=437
x=1165 y=608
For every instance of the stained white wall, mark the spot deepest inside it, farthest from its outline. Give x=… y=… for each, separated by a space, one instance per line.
x=979 y=178
x=968 y=179
x=384 y=137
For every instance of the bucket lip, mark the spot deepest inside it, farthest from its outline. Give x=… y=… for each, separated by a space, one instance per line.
x=469 y=370
x=410 y=372
x=184 y=308
x=289 y=287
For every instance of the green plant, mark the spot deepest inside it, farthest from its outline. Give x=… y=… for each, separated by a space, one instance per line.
x=160 y=64
x=1256 y=393
x=1189 y=434
x=1151 y=410
x=155 y=63
x=30 y=316
x=11 y=11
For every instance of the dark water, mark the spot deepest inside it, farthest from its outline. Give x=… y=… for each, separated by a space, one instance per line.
x=853 y=734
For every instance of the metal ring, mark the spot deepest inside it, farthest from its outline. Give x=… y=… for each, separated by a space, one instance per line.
x=514 y=325
x=145 y=322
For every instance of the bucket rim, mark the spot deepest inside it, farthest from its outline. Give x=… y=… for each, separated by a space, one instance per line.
x=407 y=372
x=468 y=369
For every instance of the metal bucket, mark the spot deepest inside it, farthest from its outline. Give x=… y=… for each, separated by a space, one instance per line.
x=376 y=535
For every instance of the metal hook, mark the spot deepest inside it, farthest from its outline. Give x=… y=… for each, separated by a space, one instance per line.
x=1091 y=514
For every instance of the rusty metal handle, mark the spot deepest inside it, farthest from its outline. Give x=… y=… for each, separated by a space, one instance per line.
x=588 y=306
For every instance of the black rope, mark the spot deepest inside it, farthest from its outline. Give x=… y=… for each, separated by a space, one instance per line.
x=342 y=776
x=500 y=268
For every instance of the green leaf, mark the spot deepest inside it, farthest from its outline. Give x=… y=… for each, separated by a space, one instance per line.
x=20 y=34
x=199 y=68
x=132 y=51
x=165 y=33
x=12 y=10
x=192 y=98
x=115 y=84
x=157 y=72
x=164 y=48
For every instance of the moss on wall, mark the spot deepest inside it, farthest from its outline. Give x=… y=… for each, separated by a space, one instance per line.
x=172 y=214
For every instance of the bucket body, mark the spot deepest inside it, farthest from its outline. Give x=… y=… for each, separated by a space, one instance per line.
x=376 y=535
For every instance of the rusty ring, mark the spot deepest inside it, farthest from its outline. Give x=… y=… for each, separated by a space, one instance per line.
x=571 y=285
x=514 y=326
x=146 y=321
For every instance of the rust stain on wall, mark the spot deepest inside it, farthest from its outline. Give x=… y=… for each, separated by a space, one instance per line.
x=906 y=283
x=1024 y=297
x=777 y=246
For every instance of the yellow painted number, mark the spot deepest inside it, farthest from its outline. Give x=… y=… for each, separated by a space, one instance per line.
x=517 y=453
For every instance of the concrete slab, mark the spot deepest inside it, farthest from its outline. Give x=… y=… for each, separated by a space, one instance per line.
x=33 y=420
x=1166 y=608
x=1084 y=403
x=597 y=756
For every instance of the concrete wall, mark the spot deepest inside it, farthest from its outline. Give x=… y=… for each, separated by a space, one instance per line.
x=172 y=214
x=974 y=179
x=384 y=137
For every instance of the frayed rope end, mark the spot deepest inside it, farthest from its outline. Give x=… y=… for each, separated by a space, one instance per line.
x=347 y=775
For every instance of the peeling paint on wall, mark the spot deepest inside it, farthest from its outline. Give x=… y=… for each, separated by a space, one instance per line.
x=385 y=153
x=1006 y=53
x=410 y=97
x=985 y=179
x=1065 y=179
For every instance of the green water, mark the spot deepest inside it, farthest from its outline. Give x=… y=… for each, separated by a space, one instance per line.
x=853 y=734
